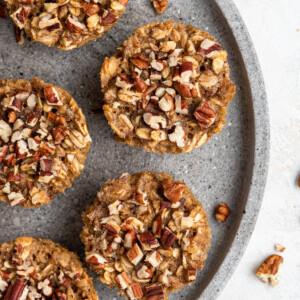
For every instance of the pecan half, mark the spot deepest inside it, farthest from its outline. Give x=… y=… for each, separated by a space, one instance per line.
x=268 y=270
x=15 y=291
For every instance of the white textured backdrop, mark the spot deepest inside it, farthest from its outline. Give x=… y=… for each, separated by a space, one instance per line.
x=274 y=26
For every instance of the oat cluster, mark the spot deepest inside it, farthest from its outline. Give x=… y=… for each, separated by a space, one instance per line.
x=66 y=24
x=167 y=88
x=146 y=234
x=41 y=269
x=44 y=141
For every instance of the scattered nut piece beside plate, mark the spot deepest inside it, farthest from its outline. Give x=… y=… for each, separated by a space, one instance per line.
x=269 y=269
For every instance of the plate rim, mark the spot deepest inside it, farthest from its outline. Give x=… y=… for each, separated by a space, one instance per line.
x=261 y=154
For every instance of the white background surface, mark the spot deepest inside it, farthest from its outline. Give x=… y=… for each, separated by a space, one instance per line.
x=274 y=26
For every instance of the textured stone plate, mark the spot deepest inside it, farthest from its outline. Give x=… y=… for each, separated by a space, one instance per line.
x=230 y=168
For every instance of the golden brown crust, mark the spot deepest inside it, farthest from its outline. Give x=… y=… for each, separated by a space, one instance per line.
x=44 y=141
x=66 y=24
x=167 y=88
x=146 y=233
x=41 y=268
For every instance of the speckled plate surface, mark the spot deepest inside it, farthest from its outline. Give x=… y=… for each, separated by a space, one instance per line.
x=231 y=167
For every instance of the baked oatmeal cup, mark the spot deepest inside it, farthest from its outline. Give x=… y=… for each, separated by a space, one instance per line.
x=146 y=234
x=44 y=141
x=41 y=269
x=66 y=24
x=167 y=88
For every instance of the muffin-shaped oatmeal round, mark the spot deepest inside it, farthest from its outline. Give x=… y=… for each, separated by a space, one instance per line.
x=146 y=234
x=66 y=24
x=167 y=88
x=41 y=269
x=44 y=141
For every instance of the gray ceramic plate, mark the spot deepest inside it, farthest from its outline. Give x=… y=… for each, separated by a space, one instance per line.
x=231 y=167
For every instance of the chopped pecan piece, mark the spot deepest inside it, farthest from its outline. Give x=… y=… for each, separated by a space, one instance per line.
x=11 y=176
x=123 y=280
x=160 y=5
x=155 y=292
x=182 y=89
x=95 y=259
x=129 y=239
x=168 y=238
x=46 y=287
x=12 y=116
x=135 y=291
x=74 y=25
x=205 y=115
x=208 y=46
x=135 y=254
x=144 y=272
x=191 y=274
x=90 y=8
x=148 y=241
x=108 y=17
x=173 y=190
x=279 y=248
x=157 y=226
x=154 y=258
x=140 y=85
x=112 y=228
x=52 y=96
x=59 y=133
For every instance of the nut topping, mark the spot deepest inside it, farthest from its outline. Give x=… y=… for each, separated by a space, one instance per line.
x=205 y=115
x=31 y=268
x=123 y=280
x=135 y=291
x=52 y=96
x=144 y=272
x=155 y=292
x=154 y=258
x=30 y=132
x=176 y=74
x=157 y=226
x=172 y=190
x=168 y=238
x=135 y=255
x=159 y=244
x=178 y=135
x=129 y=239
x=148 y=241
x=96 y=259
x=46 y=287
